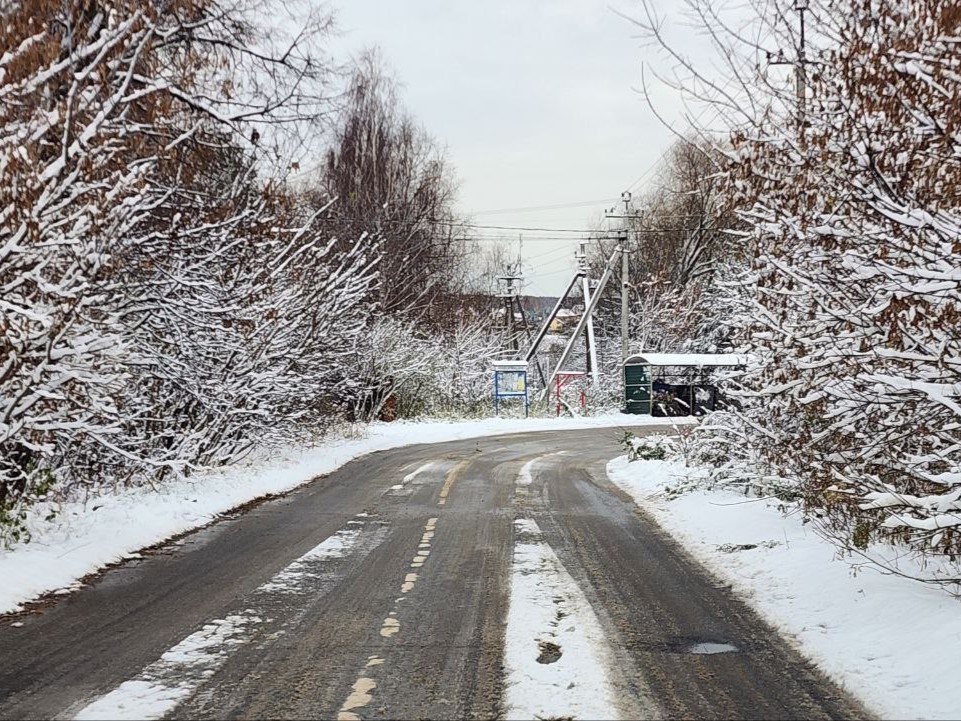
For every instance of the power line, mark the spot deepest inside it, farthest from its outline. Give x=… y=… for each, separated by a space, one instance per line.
x=556 y=206
x=587 y=235
x=554 y=251
x=476 y=226
x=453 y=224
x=513 y=241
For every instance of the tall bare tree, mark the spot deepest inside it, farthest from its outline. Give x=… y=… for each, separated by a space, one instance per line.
x=390 y=179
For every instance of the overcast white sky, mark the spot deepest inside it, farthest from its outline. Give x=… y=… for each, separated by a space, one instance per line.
x=536 y=101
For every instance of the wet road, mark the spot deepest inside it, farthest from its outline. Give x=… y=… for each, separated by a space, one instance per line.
x=382 y=591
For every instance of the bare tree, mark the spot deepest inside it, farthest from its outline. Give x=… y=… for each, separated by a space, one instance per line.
x=388 y=178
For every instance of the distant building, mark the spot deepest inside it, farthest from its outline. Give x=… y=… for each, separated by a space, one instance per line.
x=565 y=320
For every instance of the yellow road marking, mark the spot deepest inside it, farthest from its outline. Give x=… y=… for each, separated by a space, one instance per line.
x=390 y=627
x=360 y=696
x=448 y=482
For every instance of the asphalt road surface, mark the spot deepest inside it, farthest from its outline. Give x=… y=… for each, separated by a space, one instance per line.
x=381 y=591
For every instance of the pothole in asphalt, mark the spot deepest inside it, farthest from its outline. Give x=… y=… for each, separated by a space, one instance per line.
x=550 y=652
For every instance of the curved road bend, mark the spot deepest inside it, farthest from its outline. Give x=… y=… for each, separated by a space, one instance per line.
x=381 y=591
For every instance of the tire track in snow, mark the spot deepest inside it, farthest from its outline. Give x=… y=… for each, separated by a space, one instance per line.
x=557 y=657
x=273 y=606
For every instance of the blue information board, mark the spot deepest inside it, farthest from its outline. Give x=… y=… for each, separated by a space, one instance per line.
x=510 y=381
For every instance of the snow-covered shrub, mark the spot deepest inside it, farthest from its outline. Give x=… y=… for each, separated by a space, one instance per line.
x=114 y=270
x=257 y=326
x=654 y=447
x=427 y=372
x=727 y=448
x=859 y=301
x=852 y=200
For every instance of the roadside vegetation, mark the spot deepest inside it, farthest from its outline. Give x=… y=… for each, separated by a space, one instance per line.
x=838 y=273
x=177 y=284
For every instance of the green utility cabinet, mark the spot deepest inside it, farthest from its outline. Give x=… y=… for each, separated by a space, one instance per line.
x=637 y=388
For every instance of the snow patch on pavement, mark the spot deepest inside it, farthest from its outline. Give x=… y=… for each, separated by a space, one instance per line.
x=305 y=569
x=172 y=678
x=413 y=474
x=852 y=625
x=526 y=475
x=175 y=675
x=87 y=535
x=524 y=478
x=549 y=615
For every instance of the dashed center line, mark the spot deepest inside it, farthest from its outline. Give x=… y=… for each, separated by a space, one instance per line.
x=361 y=692
x=359 y=697
x=390 y=627
x=449 y=481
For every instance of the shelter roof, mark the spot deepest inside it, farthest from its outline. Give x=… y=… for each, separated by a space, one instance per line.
x=700 y=360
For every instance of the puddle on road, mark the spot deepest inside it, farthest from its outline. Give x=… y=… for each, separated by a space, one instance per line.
x=695 y=646
x=708 y=648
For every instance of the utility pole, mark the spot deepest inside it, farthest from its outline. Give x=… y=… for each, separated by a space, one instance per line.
x=509 y=296
x=512 y=302
x=622 y=247
x=625 y=305
x=591 y=349
x=800 y=71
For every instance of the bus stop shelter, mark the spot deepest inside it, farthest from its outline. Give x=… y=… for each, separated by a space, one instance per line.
x=672 y=383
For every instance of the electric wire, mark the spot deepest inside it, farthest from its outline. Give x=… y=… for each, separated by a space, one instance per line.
x=556 y=206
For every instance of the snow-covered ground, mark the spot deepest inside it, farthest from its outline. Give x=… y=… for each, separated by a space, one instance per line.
x=86 y=536
x=894 y=643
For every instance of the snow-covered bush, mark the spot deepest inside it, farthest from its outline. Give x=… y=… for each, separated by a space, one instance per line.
x=858 y=296
x=852 y=196
x=725 y=445
x=654 y=447
x=151 y=300
x=422 y=372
